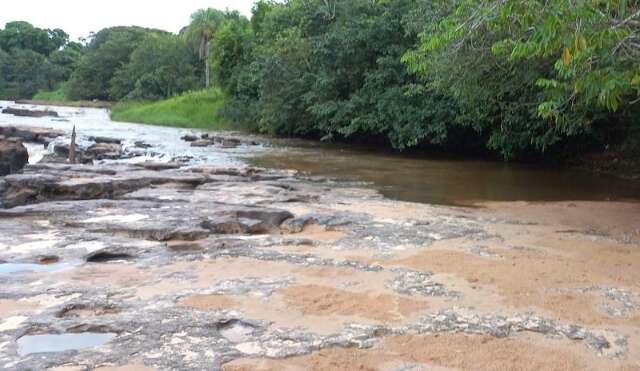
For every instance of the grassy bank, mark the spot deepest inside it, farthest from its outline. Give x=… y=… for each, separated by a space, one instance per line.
x=59 y=97
x=194 y=110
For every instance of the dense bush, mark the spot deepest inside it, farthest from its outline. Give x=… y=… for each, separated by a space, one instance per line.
x=520 y=78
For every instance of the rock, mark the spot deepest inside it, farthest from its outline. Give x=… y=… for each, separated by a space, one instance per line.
x=61 y=155
x=31 y=134
x=50 y=182
x=105 y=140
x=181 y=159
x=227 y=142
x=48 y=259
x=224 y=142
x=143 y=145
x=159 y=166
x=29 y=113
x=13 y=157
x=104 y=151
x=189 y=138
x=233 y=225
x=270 y=217
x=201 y=143
x=246 y=220
x=295 y=225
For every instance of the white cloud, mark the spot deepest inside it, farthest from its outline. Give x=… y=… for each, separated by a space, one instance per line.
x=80 y=17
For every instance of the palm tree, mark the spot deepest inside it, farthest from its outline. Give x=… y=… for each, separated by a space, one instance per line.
x=199 y=33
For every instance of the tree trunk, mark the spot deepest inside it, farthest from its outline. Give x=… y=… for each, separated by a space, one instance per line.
x=206 y=73
x=207 y=68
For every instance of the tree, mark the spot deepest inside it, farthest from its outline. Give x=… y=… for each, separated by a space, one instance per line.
x=200 y=32
x=160 y=67
x=33 y=59
x=546 y=73
x=108 y=51
x=23 y=35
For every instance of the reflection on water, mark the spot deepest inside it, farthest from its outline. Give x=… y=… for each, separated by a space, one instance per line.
x=411 y=178
x=31 y=344
x=445 y=180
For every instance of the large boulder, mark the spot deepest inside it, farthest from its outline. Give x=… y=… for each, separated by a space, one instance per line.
x=13 y=157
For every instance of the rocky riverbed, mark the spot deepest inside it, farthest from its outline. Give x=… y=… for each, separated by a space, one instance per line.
x=176 y=265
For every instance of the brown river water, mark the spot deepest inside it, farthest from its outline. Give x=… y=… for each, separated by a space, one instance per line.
x=441 y=180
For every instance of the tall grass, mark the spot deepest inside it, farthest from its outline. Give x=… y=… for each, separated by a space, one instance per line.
x=198 y=109
x=59 y=95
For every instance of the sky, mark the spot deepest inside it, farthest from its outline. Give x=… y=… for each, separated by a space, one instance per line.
x=80 y=17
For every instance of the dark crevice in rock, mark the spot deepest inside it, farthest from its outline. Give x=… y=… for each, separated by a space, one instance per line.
x=104 y=257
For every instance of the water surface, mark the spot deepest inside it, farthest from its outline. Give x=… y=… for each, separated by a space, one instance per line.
x=423 y=178
x=442 y=180
x=7 y=268
x=31 y=344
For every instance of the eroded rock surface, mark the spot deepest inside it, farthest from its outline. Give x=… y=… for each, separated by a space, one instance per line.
x=243 y=268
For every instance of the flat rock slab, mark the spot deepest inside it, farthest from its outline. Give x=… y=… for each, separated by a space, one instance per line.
x=170 y=267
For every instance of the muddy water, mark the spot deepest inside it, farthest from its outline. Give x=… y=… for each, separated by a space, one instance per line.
x=404 y=177
x=442 y=180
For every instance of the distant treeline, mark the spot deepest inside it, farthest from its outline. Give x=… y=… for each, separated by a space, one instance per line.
x=519 y=79
x=113 y=64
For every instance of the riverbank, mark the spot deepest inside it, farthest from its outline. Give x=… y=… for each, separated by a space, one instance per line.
x=204 y=266
x=191 y=110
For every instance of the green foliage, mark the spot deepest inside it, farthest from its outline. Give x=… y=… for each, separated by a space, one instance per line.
x=548 y=73
x=197 y=109
x=332 y=69
x=33 y=59
x=22 y=35
x=161 y=66
x=108 y=51
x=201 y=31
x=58 y=95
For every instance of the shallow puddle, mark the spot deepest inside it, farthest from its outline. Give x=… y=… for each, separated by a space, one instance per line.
x=236 y=331
x=7 y=268
x=31 y=344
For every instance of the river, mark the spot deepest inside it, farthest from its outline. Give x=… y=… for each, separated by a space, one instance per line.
x=419 y=178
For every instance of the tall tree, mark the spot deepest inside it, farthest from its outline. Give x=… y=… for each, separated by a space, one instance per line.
x=203 y=26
